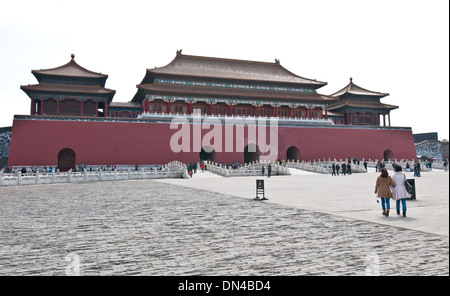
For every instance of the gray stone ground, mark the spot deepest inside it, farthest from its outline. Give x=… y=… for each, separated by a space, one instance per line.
x=147 y=227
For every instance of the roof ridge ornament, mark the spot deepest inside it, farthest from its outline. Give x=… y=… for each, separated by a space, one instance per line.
x=179 y=52
x=72 y=56
x=351 y=80
x=277 y=61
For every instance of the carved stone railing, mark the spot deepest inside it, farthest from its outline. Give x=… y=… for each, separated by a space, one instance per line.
x=324 y=166
x=249 y=169
x=173 y=169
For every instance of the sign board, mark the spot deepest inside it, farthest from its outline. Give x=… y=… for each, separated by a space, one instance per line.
x=260 y=184
x=260 y=190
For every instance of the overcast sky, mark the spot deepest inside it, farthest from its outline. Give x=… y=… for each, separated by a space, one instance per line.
x=396 y=46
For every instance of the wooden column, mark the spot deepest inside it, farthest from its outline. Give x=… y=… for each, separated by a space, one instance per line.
x=33 y=107
x=105 y=111
x=58 y=107
x=42 y=107
x=82 y=106
x=326 y=113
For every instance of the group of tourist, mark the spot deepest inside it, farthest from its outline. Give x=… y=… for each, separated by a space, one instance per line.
x=192 y=167
x=346 y=168
x=33 y=170
x=388 y=187
x=269 y=170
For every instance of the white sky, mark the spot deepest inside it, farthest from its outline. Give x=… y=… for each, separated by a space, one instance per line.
x=396 y=46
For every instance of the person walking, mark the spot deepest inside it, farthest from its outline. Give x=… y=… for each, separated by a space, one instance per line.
x=269 y=170
x=333 y=167
x=383 y=190
x=399 y=192
x=344 y=168
x=337 y=169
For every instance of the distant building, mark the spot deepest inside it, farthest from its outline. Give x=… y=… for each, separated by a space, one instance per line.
x=5 y=140
x=74 y=121
x=425 y=137
x=429 y=147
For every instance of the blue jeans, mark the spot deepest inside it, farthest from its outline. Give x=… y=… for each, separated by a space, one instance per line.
x=403 y=205
x=385 y=203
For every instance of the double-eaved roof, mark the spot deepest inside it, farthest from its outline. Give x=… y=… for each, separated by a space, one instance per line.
x=348 y=97
x=52 y=81
x=199 y=68
x=231 y=69
x=72 y=70
x=354 y=89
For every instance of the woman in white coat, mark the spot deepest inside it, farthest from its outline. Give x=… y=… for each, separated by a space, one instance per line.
x=399 y=193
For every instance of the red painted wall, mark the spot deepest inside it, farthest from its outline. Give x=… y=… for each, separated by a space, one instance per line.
x=37 y=142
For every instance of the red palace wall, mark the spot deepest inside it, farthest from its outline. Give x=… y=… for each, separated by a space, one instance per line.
x=37 y=142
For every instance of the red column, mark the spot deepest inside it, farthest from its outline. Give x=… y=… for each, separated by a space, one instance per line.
x=326 y=113
x=33 y=107
x=82 y=107
x=190 y=107
x=42 y=107
x=58 y=107
x=146 y=105
x=257 y=110
x=106 y=109
x=168 y=107
x=210 y=108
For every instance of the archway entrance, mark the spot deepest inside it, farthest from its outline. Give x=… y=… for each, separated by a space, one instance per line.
x=388 y=155
x=293 y=154
x=66 y=159
x=251 y=153
x=207 y=153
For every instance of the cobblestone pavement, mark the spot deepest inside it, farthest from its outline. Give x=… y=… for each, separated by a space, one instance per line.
x=145 y=227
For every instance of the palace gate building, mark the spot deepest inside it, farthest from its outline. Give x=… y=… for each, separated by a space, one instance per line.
x=73 y=119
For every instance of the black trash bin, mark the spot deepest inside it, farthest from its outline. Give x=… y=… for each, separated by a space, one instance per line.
x=412 y=182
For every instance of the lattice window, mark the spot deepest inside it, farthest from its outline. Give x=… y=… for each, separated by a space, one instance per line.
x=50 y=107
x=89 y=108
x=70 y=107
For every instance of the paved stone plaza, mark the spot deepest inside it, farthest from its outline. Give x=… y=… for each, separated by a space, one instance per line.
x=176 y=227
